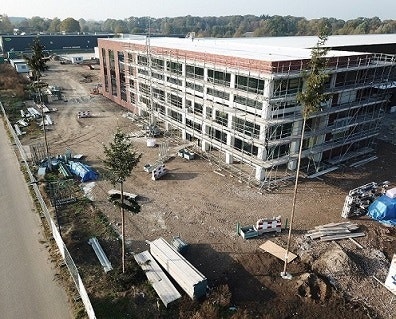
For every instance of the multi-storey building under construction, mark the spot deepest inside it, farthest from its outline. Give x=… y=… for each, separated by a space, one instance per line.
x=236 y=100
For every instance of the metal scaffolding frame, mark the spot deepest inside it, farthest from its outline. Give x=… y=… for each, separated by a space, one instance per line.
x=209 y=110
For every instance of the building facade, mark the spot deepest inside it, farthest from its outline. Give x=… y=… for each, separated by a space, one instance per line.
x=236 y=100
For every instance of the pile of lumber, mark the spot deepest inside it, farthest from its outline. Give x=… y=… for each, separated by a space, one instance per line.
x=334 y=231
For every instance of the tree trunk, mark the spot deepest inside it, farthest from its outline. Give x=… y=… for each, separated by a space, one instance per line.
x=284 y=273
x=122 y=227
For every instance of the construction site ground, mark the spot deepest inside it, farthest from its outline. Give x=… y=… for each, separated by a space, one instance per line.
x=203 y=204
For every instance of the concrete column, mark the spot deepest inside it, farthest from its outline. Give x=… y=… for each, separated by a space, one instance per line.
x=262 y=153
x=232 y=80
x=260 y=173
x=205 y=145
x=320 y=139
x=268 y=89
x=262 y=149
x=230 y=142
x=295 y=145
x=183 y=114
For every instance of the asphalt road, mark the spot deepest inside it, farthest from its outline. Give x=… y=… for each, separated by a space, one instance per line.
x=27 y=285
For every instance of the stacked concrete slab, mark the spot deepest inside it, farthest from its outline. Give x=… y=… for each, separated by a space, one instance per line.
x=185 y=274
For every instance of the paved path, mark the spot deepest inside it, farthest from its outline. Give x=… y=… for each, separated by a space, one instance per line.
x=27 y=286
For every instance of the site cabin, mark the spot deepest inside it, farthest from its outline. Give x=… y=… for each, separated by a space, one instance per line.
x=76 y=59
x=263 y=225
x=184 y=153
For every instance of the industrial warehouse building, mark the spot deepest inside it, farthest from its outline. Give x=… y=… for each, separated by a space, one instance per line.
x=13 y=46
x=236 y=99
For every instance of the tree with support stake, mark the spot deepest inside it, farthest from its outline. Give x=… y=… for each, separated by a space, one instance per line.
x=37 y=65
x=120 y=159
x=311 y=99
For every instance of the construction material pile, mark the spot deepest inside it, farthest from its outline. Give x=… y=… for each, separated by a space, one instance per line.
x=334 y=231
x=359 y=199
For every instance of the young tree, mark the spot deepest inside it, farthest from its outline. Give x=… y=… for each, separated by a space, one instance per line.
x=36 y=61
x=37 y=64
x=311 y=98
x=120 y=159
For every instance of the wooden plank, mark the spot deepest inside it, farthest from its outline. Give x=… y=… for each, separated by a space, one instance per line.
x=341 y=224
x=356 y=243
x=158 y=279
x=346 y=236
x=277 y=251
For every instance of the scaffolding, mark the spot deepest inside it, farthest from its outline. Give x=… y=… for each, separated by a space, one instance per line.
x=247 y=120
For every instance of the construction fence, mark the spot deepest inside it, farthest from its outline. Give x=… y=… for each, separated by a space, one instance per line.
x=51 y=224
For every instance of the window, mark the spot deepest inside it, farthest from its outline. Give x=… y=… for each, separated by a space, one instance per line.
x=159 y=107
x=111 y=59
x=208 y=112
x=217 y=93
x=144 y=100
x=175 y=115
x=142 y=60
x=280 y=131
x=157 y=76
x=287 y=86
x=194 y=86
x=249 y=84
x=143 y=71
x=157 y=64
x=130 y=58
x=248 y=102
x=219 y=77
x=246 y=127
x=159 y=94
x=175 y=100
x=245 y=147
x=132 y=97
x=104 y=57
x=283 y=109
x=174 y=67
x=198 y=108
x=195 y=126
x=144 y=88
x=278 y=151
x=194 y=72
x=221 y=118
x=174 y=80
x=218 y=135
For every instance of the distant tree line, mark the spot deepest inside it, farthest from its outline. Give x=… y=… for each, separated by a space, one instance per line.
x=226 y=26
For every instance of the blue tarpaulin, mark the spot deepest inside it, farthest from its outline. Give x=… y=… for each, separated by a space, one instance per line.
x=83 y=171
x=383 y=209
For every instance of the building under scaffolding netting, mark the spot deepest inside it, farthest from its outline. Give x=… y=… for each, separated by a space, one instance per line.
x=235 y=99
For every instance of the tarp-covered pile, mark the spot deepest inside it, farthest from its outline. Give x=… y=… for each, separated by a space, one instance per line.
x=383 y=208
x=84 y=171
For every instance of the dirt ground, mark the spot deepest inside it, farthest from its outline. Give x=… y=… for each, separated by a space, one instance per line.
x=330 y=280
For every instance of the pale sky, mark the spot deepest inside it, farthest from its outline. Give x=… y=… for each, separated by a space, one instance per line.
x=121 y=9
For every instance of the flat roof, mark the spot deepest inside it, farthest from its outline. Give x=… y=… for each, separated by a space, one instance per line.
x=262 y=48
